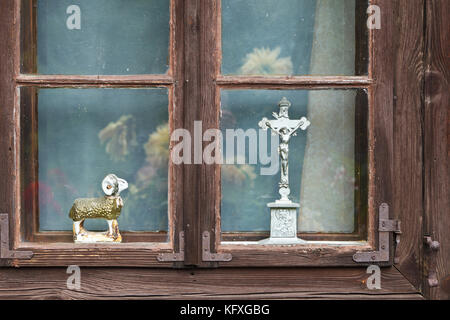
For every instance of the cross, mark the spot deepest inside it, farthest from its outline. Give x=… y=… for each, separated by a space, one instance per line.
x=285 y=128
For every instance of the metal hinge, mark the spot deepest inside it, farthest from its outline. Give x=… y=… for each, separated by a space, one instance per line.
x=206 y=251
x=5 y=252
x=207 y=255
x=175 y=256
x=385 y=226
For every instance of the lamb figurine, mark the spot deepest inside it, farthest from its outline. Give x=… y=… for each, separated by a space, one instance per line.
x=107 y=207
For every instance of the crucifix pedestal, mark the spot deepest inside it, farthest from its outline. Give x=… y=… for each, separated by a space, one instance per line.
x=283 y=223
x=283 y=212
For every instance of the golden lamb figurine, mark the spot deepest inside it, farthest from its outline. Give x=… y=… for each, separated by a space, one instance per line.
x=107 y=207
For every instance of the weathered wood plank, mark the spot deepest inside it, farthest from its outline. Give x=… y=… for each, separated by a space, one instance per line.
x=123 y=255
x=314 y=255
x=381 y=120
x=210 y=109
x=66 y=80
x=437 y=144
x=45 y=283
x=7 y=93
x=192 y=100
x=407 y=197
x=178 y=113
x=243 y=82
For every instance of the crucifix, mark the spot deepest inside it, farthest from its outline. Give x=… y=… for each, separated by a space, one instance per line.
x=283 y=226
x=285 y=128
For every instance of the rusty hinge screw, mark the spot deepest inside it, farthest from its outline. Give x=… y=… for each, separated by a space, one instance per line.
x=433 y=246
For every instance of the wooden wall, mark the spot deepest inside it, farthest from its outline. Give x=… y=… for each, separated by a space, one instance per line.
x=436 y=140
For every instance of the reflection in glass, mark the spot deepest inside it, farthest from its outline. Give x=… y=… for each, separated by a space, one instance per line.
x=285 y=37
x=323 y=175
x=85 y=134
x=102 y=36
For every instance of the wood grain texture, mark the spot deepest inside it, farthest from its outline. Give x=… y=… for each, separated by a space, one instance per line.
x=292 y=82
x=97 y=80
x=289 y=256
x=7 y=110
x=437 y=143
x=407 y=205
x=192 y=100
x=134 y=254
x=210 y=197
x=120 y=283
x=381 y=100
x=178 y=115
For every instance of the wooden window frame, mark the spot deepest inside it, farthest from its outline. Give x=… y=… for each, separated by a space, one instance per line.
x=378 y=83
x=415 y=104
x=55 y=248
x=196 y=88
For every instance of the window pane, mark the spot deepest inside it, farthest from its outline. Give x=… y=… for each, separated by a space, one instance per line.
x=102 y=36
x=294 y=37
x=85 y=134
x=326 y=163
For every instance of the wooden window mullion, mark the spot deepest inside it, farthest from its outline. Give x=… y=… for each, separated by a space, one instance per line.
x=192 y=100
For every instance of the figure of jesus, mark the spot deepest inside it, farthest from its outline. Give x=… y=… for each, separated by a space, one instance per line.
x=285 y=128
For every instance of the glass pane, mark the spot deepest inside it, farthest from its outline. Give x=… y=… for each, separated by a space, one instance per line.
x=325 y=162
x=102 y=36
x=85 y=134
x=294 y=37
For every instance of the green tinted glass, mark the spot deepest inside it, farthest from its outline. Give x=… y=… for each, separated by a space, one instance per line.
x=326 y=162
x=103 y=36
x=294 y=37
x=85 y=134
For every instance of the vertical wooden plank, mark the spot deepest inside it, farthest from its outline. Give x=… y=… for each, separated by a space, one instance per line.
x=192 y=100
x=381 y=114
x=7 y=93
x=437 y=143
x=407 y=199
x=209 y=182
x=177 y=53
x=361 y=122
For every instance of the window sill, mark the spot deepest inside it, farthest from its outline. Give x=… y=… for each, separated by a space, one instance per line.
x=133 y=254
